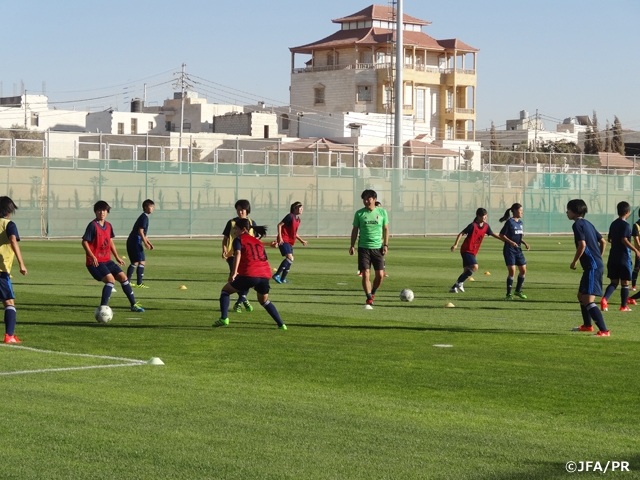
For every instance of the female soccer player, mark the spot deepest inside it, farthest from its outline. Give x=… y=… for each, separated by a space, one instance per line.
x=250 y=270
x=136 y=240
x=287 y=236
x=513 y=256
x=475 y=233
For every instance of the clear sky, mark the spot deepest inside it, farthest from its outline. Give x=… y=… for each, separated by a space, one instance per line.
x=562 y=57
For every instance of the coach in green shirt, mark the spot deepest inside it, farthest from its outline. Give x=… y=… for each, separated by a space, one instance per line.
x=373 y=225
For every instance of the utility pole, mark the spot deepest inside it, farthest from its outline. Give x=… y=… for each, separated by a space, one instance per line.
x=25 y=109
x=182 y=83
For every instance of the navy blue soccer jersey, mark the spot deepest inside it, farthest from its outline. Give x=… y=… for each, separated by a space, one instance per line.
x=583 y=230
x=514 y=231
x=141 y=223
x=620 y=253
x=12 y=229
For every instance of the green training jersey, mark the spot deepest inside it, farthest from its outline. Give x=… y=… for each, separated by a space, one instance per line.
x=370 y=224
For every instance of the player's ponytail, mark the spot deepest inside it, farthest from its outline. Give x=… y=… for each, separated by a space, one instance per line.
x=514 y=208
x=260 y=231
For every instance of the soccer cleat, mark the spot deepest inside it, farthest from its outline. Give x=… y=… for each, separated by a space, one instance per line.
x=359 y=274
x=282 y=327
x=247 y=306
x=633 y=288
x=237 y=308
x=276 y=277
x=11 y=339
x=385 y=274
x=601 y=333
x=583 y=328
x=221 y=322
x=136 y=307
x=285 y=280
x=625 y=309
x=521 y=295
x=631 y=301
x=140 y=285
x=453 y=289
x=370 y=300
x=460 y=287
x=604 y=305
x=508 y=297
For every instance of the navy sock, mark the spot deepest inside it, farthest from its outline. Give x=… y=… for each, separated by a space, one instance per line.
x=242 y=297
x=520 y=282
x=466 y=274
x=128 y=291
x=271 y=310
x=609 y=291
x=509 y=285
x=140 y=273
x=130 y=271
x=106 y=293
x=224 y=304
x=624 y=295
x=586 y=319
x=597 y=317
x=9 y=319
x=286 y=263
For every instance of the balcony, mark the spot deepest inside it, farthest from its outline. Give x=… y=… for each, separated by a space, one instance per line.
x=382 y=65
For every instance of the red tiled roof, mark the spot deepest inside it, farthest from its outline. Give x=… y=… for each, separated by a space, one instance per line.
x=379 y=12
x=455 y=44
x=313 y=144
x=416 y=147
x=614 y=160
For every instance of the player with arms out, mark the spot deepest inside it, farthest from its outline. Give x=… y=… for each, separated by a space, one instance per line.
x=98 y=245
x=590 y=247
x=513 y=256
x=286 y=239
x=372 y=224
x=136 y=241
x=9 y=250
x=475 y=233
x=250 y=270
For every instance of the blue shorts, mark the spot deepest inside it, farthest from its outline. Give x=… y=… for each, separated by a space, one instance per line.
x=591 y=282
x=242 y=284
x=468 y=259
x=135 y=250
x=104 y=269
x=514 y=257
x=619 y=271
x=6 y=289
x=286 y=249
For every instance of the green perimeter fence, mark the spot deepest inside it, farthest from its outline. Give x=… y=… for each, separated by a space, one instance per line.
x=55 y=196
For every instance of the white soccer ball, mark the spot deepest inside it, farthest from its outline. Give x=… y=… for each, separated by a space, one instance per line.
x=103 y=314
x=406 y=295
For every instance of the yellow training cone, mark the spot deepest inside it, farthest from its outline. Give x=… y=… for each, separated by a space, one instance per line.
x=471 y=279
x=182 y=287
x=449 y=305
x=487 y=273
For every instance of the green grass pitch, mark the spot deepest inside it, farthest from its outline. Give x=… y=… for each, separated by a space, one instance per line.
x=345 y=393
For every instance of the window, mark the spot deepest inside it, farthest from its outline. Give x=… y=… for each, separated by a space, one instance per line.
x=134 y=126
x=285 y=121
x=150 y=125
x=366 y=57
x=364 y=93
x=167 y=126
x=318 y=96
x=408 y=94
x=34 y=120
x=332 y=58
x=120 y=128
x=420 y=97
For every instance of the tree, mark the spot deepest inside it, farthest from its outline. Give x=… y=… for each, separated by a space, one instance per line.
x=617 y=142
x=494 y=140
x=588 y=142
x=596 y=139
x=607 y=138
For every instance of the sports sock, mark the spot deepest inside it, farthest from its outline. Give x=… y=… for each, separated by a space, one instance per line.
x=242 y=297
x=224 y=304
x=609 y=291
x=287 y=266
x=9 y=319
x=106 y=293
x=466 y=274
x=509 y=285
x=586 y=319
x=271 y=310
x=520 y=282
x=128 y=291
x=596 y=315
x=130 y=270
x=634 y=278
x=624 y=295
x=140 y=273
x=373 y=291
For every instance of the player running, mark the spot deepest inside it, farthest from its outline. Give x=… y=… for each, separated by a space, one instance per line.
x=136 y=241
x=286 y=239
x=513 y=256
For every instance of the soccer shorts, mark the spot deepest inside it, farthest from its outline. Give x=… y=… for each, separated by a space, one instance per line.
x=619 y=271
x=368 y=257
x=468 y=259
x=6 y=289
x=135 y=250
x=591 y=282
x=104 y=269
x=286 y=249
x=514 y=257
x=242 y=284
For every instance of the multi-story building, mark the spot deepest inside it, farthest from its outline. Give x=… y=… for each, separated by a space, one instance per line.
x=352 y=70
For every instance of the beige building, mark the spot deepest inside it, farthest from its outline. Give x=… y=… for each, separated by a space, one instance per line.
x=352 y=71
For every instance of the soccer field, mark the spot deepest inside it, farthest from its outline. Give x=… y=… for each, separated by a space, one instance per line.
x=344 y=393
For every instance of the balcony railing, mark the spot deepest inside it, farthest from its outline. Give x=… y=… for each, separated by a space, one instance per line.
x=459 y=110
x=382 y=65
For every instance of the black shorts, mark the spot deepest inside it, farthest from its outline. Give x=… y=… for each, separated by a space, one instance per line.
x=243 y=284
x=619 y=271
x=368 y=257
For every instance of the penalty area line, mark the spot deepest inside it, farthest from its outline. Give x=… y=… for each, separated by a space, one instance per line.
x=66 y=369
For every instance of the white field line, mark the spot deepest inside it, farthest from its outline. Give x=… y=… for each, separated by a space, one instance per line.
x=129 y=361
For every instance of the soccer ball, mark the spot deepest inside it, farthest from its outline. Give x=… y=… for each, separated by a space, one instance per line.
x=103 y=314
x=406 y=295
